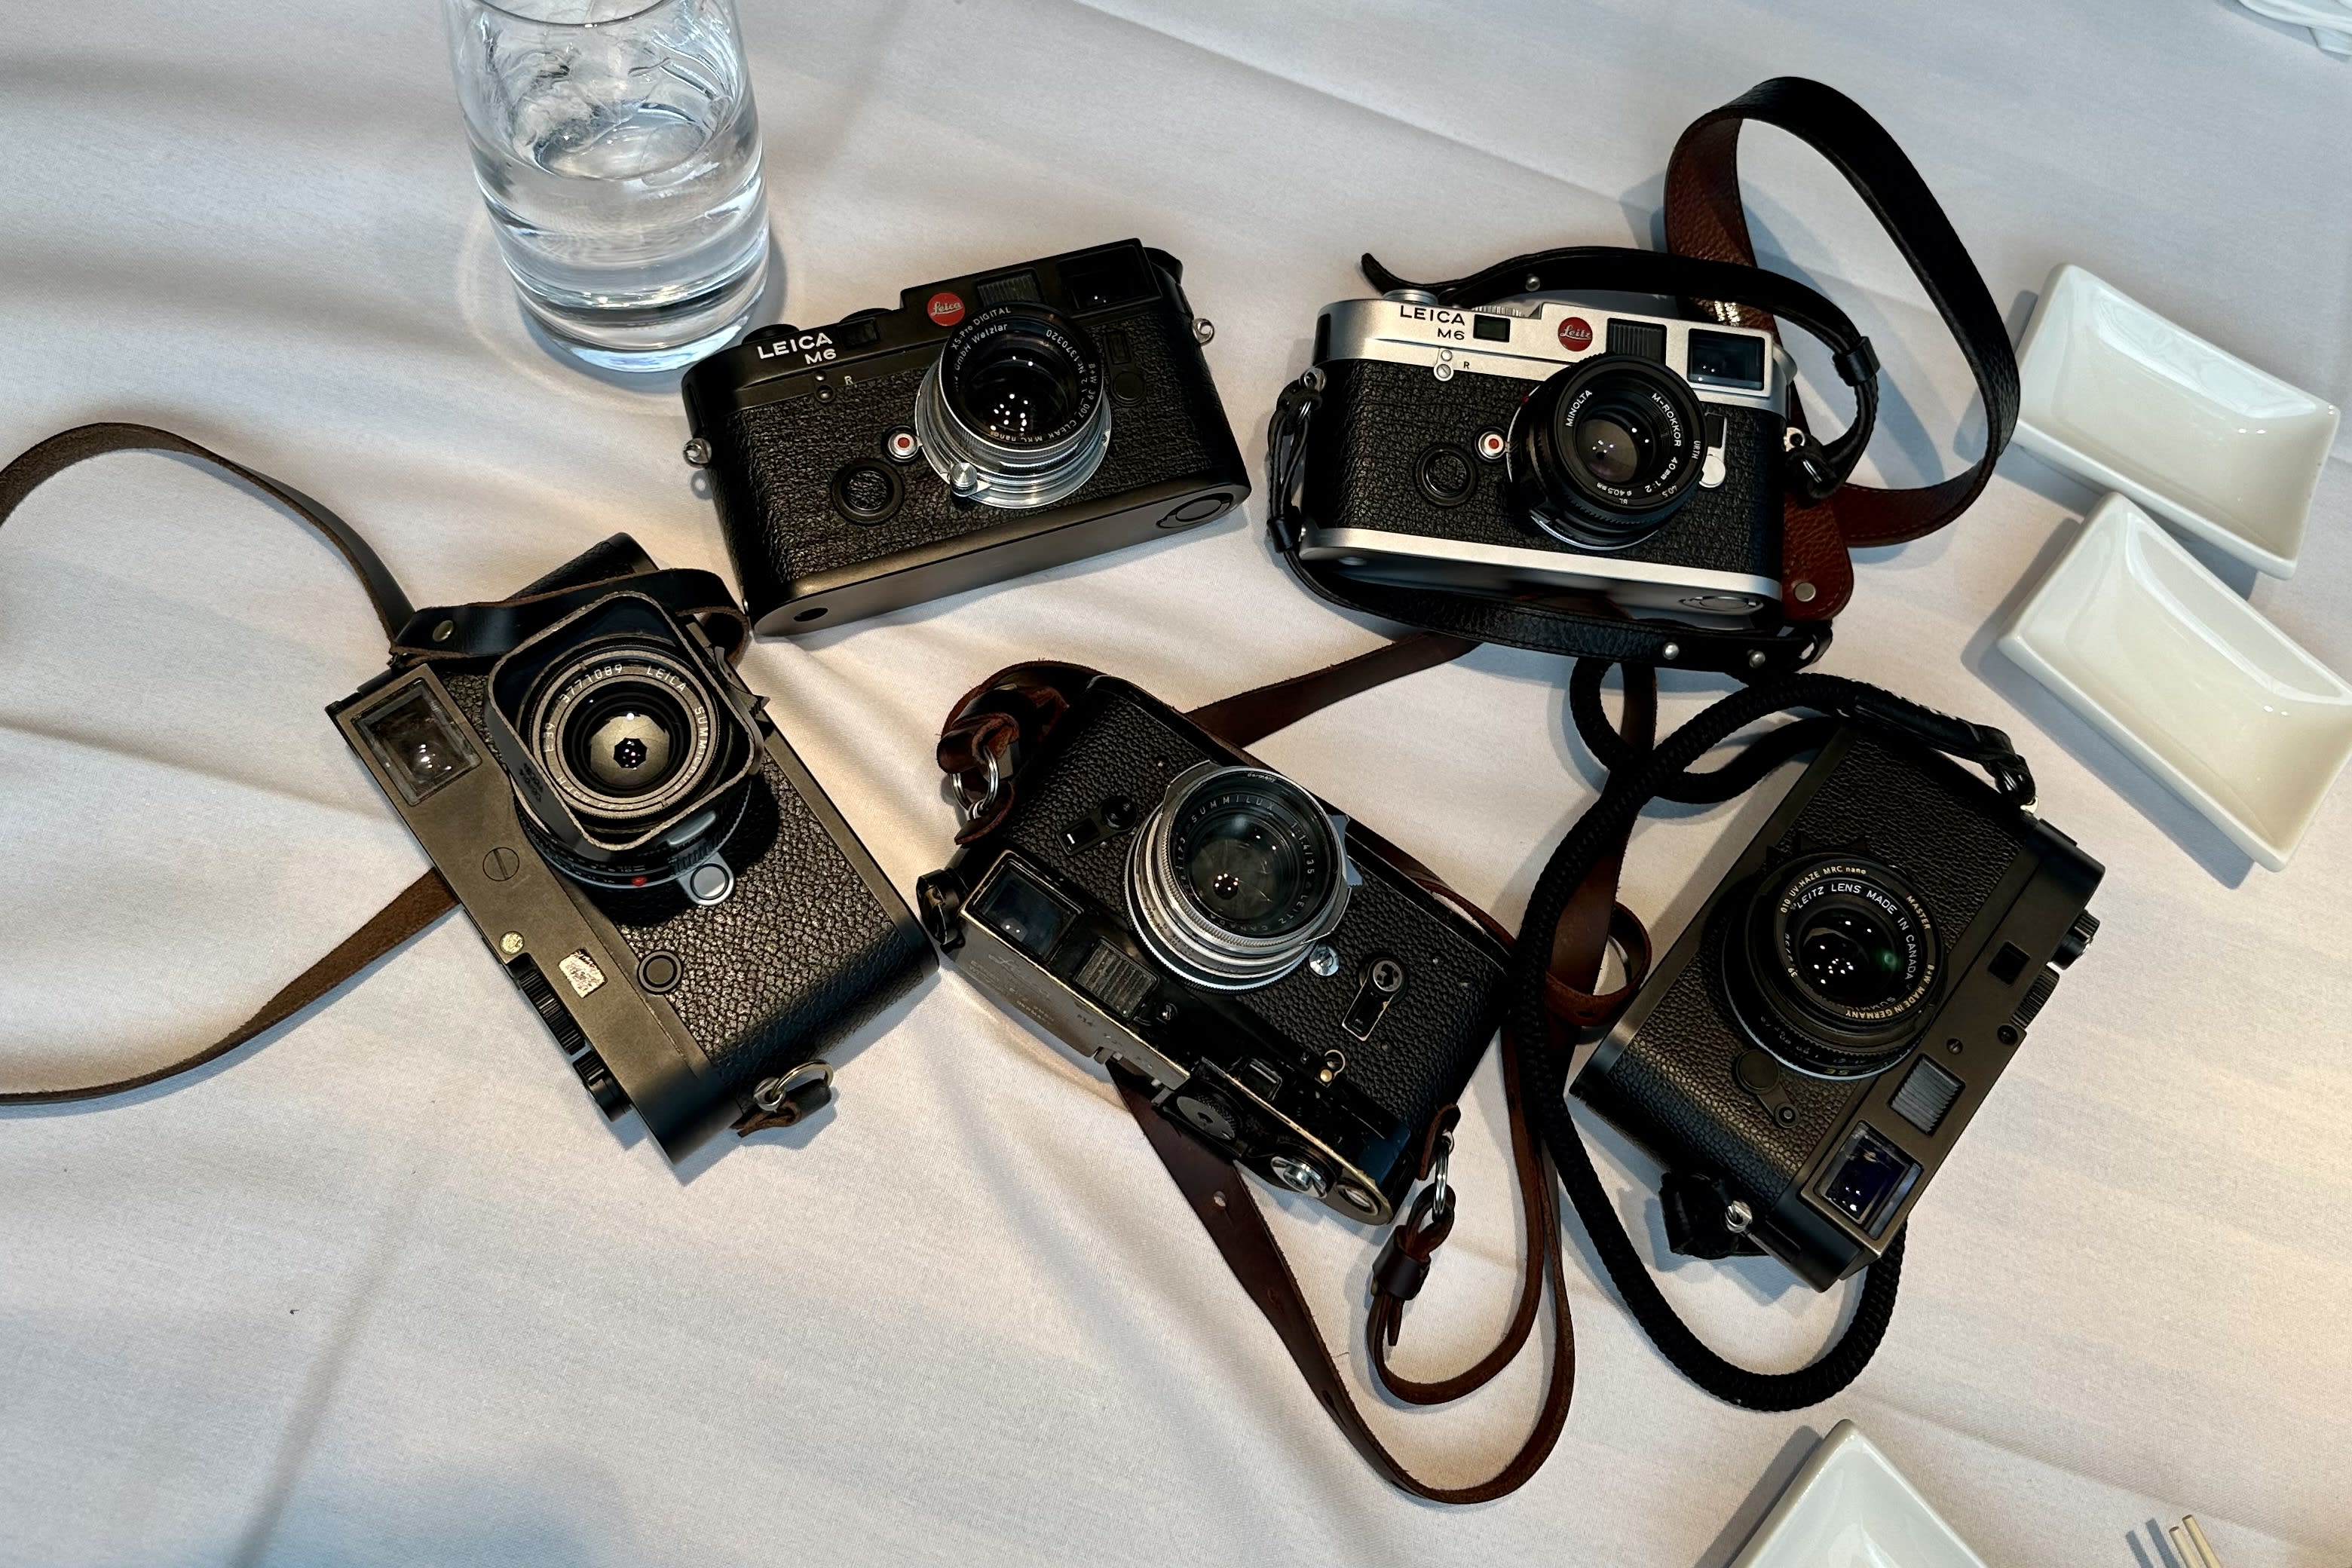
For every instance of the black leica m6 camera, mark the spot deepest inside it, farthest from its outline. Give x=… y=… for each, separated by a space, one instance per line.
x=1541 y=447
x=1160 y=901
x=1807 y=1054
x=658 y=873
x=991 y=425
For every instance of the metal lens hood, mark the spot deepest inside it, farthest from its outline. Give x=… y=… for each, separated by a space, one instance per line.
x=1570 y=497
x=1004 y=463
x=624 y=662
x=1168 y=912
x=1785 y=1010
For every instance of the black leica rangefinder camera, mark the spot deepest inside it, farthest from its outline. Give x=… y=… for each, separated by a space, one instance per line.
x=991 y=424
x=1540 y=447
x=1160 y=901
x=1804 y=1058
x=654 y=869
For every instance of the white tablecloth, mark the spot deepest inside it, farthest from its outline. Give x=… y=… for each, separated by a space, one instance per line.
x=386 y=1289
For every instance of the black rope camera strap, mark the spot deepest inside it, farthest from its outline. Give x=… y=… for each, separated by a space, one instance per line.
x=1639 y=774
x=456 y=631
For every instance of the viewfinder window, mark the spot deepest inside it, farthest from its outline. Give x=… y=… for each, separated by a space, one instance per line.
x=1491 y=329
x=1107 y=278
x=1020 y=909
x=1726 y=359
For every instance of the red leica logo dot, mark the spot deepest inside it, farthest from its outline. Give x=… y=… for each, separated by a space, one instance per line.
x=947 y=309
x=1576 y=334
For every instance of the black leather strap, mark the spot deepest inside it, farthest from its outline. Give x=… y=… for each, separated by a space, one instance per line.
x=1707 y=217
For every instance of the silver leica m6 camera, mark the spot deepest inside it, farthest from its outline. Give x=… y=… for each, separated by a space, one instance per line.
x=1535 y=446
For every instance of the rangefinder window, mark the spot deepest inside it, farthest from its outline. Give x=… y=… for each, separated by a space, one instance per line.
x=419 y=745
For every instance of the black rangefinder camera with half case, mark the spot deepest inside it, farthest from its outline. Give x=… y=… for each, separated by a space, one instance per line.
x=1807 y=1054
x=1160 y=901
x=658 y=873
x=1540 y=446
x=991 y=424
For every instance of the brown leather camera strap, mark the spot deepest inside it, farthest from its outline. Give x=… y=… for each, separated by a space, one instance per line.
x=993 y=727
x=1707 y=217
x=421 y=903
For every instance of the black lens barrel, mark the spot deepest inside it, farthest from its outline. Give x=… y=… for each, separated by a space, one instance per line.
x=1606 y=450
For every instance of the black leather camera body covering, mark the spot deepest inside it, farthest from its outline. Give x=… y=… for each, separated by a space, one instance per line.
x=1825 y=1155
x=1323 y=1067
x=1411 y=463
x=699 y=1014
x=828 y=519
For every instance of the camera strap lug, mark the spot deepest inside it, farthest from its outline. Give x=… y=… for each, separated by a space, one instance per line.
x=788 y=1097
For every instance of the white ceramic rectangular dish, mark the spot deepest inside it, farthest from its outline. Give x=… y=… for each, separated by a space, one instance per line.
x=1848 y=1508
x=2113 y=391
x=2138 y=637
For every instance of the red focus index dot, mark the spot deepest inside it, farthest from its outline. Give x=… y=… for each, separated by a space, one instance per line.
x=946 y=309
x=1576 y=334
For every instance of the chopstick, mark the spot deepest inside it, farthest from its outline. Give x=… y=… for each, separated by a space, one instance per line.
x=2193 y=1550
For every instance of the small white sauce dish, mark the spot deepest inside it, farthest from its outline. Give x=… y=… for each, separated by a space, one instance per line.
x=2132 y=632
x=2116 y=394
x=1849 y=1507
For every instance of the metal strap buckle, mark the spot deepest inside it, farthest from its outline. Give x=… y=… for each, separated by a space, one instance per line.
x=976 y=806
x=1441 y=1202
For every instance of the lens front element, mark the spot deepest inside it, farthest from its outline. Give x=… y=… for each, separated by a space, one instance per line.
x=1020 y=385
x=1849 y=958
x=1235 y=876
x=624 y=733
x=1832 y=965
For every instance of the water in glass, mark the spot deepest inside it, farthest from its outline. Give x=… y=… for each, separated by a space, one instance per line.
x=619 y=151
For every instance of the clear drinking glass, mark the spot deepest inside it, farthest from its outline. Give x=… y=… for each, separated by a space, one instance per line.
x=617 y=146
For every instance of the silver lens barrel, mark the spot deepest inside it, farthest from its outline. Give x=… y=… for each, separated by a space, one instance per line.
x=1235 y=876
x=1054 y=456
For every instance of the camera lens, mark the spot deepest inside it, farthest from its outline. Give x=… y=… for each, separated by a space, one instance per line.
x=1832 y=965
x=1606 y=450
x=1012 y=413
x=1235 y=876
x=623 y=733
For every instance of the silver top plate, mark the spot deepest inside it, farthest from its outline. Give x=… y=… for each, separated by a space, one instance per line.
x=1550 y=335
